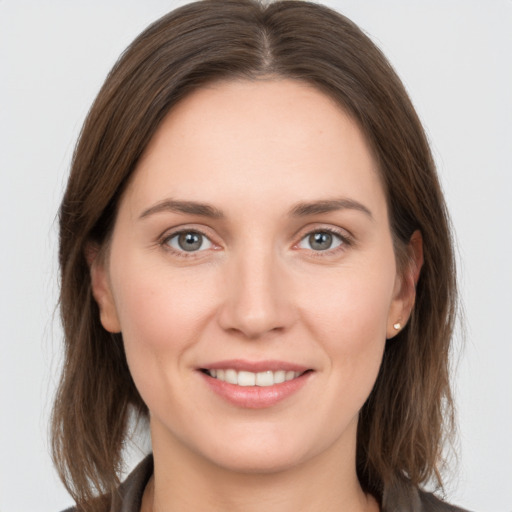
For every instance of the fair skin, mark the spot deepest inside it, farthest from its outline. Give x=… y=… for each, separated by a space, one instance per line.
x=254 y=237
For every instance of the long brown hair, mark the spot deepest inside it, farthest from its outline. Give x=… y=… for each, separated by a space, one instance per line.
x=404 y=421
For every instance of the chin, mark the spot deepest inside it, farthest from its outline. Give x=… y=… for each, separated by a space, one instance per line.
x=256 y=451
x=258 y=460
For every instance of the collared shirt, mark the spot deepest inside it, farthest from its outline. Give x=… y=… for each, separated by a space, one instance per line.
x=402 y=498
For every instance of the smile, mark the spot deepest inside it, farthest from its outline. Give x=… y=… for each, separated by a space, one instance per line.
x=255 y=384
x=245 y=378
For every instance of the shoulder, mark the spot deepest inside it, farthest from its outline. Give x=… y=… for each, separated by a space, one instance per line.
x=404 y=497
x=430 y=503
x=129 y=495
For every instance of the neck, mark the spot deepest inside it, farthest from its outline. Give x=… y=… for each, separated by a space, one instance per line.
x=184 y=481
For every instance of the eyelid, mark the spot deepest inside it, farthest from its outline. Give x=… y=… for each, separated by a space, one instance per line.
x=345 y=236
x=168 y=234
x=203 y=239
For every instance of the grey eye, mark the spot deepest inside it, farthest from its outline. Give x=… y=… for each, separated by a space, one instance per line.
x=189 y=241
x=320 y=241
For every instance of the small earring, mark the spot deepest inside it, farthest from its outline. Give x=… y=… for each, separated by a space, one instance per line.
x=397 y=326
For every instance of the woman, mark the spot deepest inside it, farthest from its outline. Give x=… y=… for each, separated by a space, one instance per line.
x=255 y=256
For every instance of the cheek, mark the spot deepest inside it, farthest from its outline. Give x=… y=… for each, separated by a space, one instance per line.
x=350 y=320
x=162 y=314
x=357 y=300
x=350 y=326
x=158 y=307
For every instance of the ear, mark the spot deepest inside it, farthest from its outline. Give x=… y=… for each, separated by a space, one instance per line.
x=102 y=289
x=405 y=287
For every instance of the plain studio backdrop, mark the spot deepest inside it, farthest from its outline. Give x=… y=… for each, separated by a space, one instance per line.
x=455 y=58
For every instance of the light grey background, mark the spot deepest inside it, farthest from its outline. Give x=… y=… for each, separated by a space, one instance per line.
x=455 y=57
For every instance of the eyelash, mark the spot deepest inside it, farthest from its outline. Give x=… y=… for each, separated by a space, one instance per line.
x=346 y=242
x=164 y=242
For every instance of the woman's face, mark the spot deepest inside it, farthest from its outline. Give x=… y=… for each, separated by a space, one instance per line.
x=252 y=246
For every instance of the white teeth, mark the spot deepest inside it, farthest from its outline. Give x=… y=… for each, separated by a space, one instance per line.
x=262 y=379
x=230 y=376
x=246 y=379
x=279 y=377
x=289 y=375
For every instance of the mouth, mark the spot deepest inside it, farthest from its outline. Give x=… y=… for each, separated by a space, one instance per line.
x=246 y=378
x=255 y=384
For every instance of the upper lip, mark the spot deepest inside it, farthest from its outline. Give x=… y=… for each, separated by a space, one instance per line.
x=255 y=366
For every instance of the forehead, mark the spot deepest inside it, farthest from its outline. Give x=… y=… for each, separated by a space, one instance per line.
x=256 y=139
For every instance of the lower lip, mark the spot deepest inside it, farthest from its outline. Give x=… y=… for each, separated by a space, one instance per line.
x=256 y=397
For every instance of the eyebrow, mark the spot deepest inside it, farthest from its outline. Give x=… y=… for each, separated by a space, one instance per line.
x=329 y=205
x=187 y=207
x=303 y=209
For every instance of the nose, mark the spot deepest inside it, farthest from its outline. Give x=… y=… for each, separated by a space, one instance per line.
x=257 y=296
